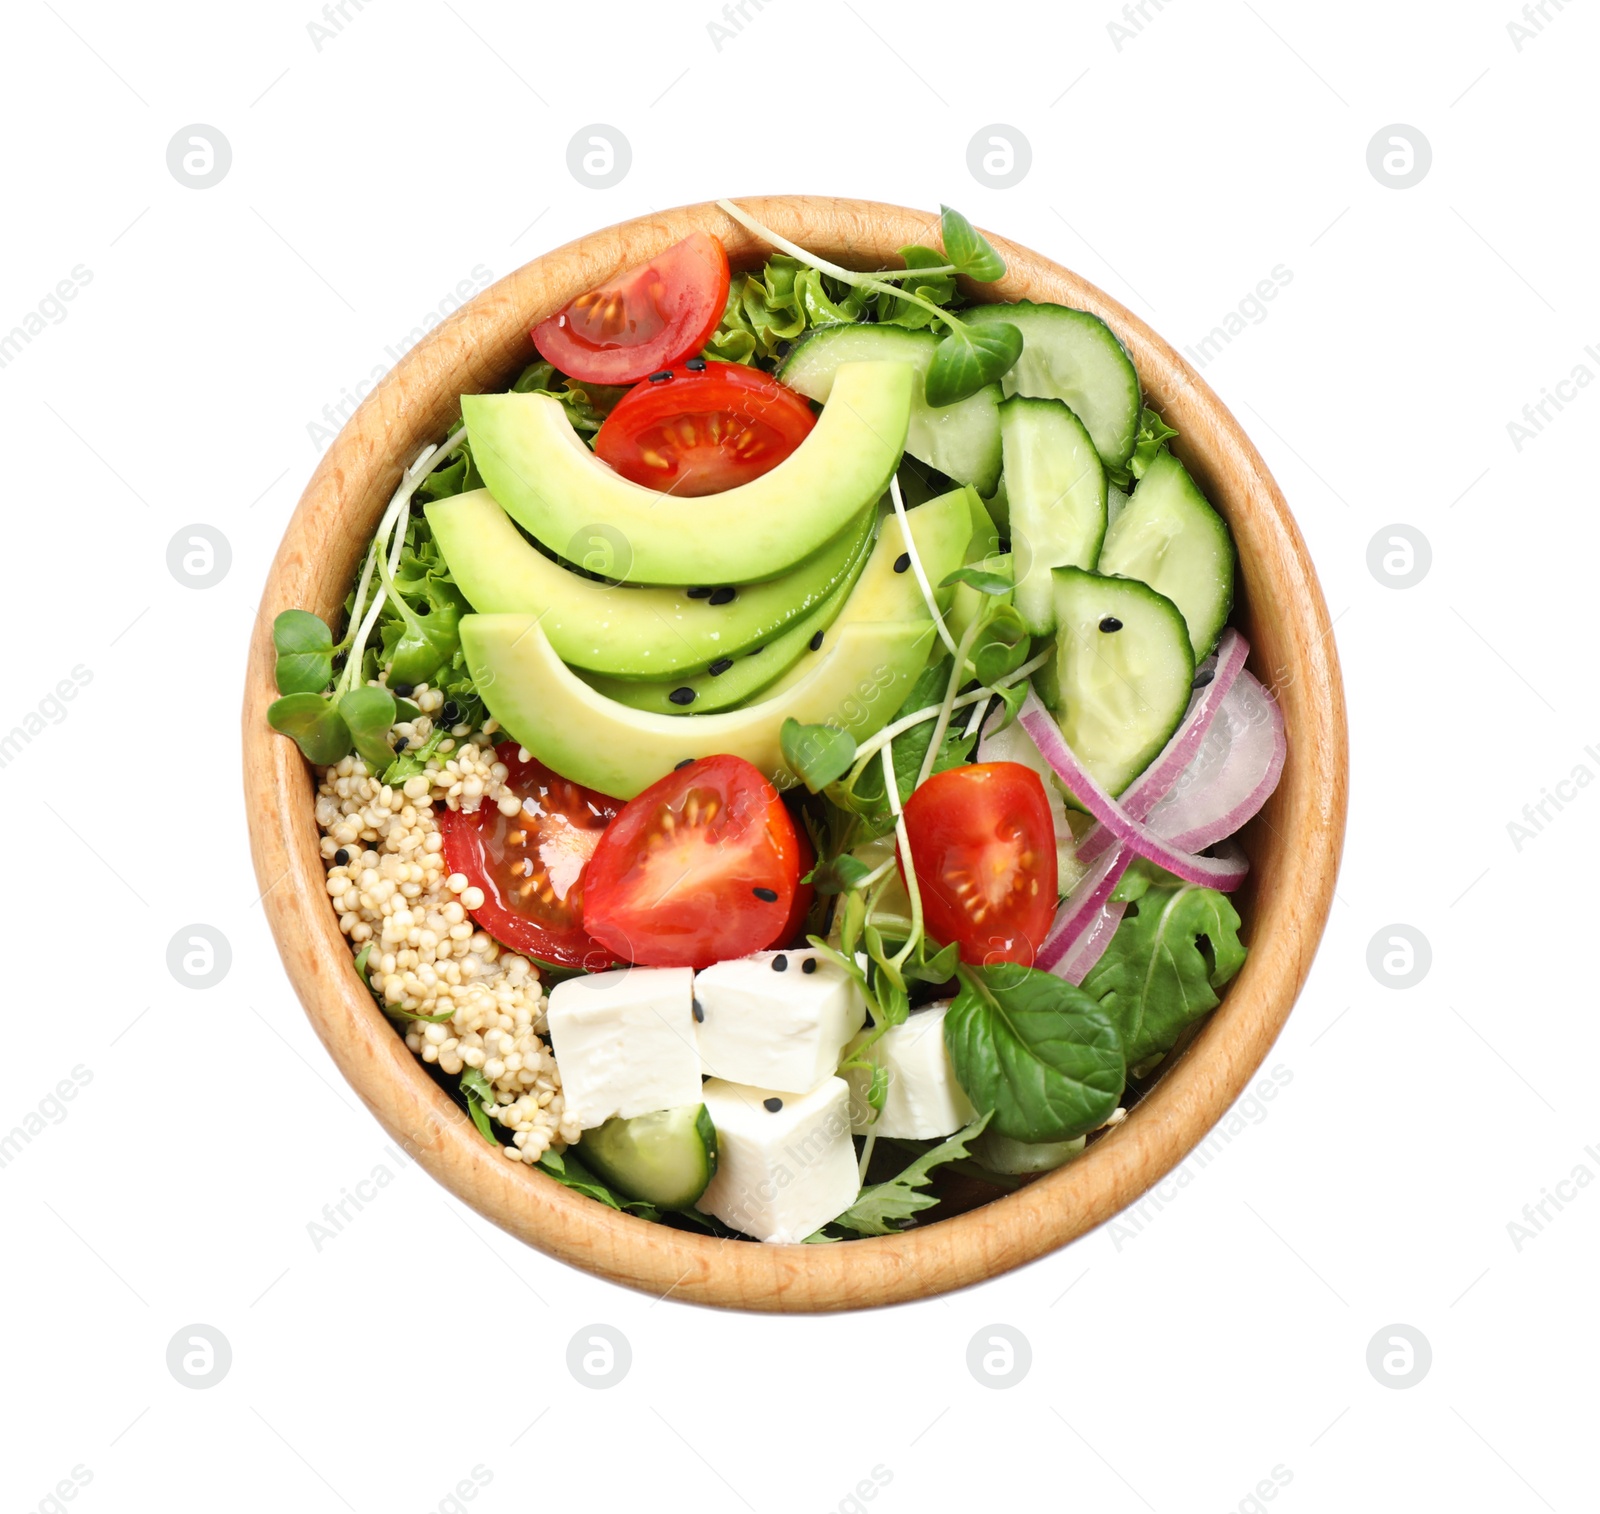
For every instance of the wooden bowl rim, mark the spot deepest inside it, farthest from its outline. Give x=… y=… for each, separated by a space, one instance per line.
x=1296 y=844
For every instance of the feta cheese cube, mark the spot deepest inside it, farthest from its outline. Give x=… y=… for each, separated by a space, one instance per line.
x=923 y=1100
x=777 y=1019
x=785 y=1162
x=625 y=1042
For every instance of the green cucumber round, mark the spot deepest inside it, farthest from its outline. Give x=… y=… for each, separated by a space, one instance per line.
x=665 y=1158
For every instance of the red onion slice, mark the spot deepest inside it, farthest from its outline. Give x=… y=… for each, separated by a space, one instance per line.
x=1080 y=909
x=1088 y=949
x=1233 y=775
x=1152 y=785
x=1207 y=872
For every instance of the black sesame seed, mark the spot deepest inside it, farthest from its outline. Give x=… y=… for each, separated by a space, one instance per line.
x=402 y=690
x=701 y=593
x=772 y=1106
x=341 y=857
x=780 y=963
x=809 y=965
x=662 y=377
x=752 y=652
x=766 y=895
x=450 y=713
x=699 y=1013
x=720 y=666
x=682 y=695
x=1111 y=623
x=696 y=365
x=902 y=562
x=678 y=767
x=401 y=745
x=784 y=348
x=816 y=642
x=722 y=596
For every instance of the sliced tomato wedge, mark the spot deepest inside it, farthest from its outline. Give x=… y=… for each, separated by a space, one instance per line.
x=645 y=319
x=702 y=427
x=984 y=848
x=531 y=866
x=793 y=932
x=702 y=866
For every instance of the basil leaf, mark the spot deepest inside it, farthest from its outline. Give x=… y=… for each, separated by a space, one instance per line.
x=369 y=712
x=884 y=1208
x=1174 y=949
x=1039 y=1052
x=315 y=725
x=968 y=249
x=816 y=754
x=980 y=579
x=969 y=357
x=305 y=652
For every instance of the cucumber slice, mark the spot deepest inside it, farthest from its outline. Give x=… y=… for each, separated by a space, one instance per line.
x=1056 y=486
x=1169 y=537
x=1072 y=356
x=1124 y=668
x=961 y=440
x=665 y=1158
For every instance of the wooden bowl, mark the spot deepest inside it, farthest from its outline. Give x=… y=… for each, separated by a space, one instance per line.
x=1294 y=845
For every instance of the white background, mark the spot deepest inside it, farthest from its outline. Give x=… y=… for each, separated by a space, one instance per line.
x=1172 y=1369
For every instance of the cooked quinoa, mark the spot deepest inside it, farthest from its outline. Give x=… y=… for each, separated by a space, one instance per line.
x=393 y=892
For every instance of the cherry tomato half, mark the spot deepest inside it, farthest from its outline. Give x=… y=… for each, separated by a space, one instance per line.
x=984 y=848
x=703 y=429
x=532 y=866
x=793 y=932
x=645 y=319
x=702 y=866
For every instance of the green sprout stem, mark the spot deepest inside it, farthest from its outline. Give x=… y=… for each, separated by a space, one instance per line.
x=873 y=282
x=958 y=676
x=916 y=565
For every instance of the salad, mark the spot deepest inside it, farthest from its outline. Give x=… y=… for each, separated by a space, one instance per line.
x=779 y=760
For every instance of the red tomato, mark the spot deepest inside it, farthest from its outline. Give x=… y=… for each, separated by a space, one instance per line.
x=647 y=318
x=984 y=848
x=531 y=866
x=793 y=932
x=704 y=428
x=702 y=866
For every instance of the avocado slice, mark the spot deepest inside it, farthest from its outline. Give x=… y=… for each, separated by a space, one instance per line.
x=536 y=465
x=629 y=632
x=857 y=686
x=943 y=530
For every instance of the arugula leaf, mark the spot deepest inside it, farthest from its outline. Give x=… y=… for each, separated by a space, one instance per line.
x=361 y=964
x=369 y=711
x=1039 y=1052
x=817 y=754
x=305 y=652
x=967 y=248
x=1141 y=876
x=884 y=1208
x=570 y=1172
x=1174 y=949
x=314 y=723
x=479 y=1092
x=967 y=358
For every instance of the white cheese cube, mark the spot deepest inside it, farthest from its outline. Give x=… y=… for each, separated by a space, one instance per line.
x=625 y=1042
x=923 y=1099
x=785 y=1162
x=777 y=1019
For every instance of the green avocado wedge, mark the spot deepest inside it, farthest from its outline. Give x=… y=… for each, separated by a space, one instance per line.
x=879 y=592
x=537 y=466
x=731 y=680
x=623 y=631
x=857 y=686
